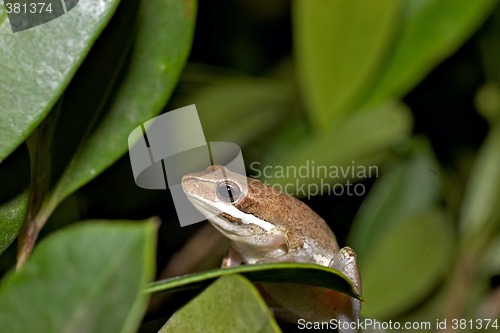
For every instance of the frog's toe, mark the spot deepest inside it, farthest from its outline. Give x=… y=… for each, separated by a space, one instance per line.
x=345 y=262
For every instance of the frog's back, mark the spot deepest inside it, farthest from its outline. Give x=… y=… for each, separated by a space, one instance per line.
x=281 y=209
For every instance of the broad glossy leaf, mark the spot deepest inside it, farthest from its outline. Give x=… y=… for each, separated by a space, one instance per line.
x=36 y=65
x=406 y=188
x=308 y=274
x=164 y=35
x=86 y=278
x=14 y=180
x=12 y=214
x=339 y=46
x=430 y=31
x=480 y=209
x=231 y=304
x=405 y=264
x=360 y=140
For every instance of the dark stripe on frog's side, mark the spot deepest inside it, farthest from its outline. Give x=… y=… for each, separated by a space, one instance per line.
x=231 y=218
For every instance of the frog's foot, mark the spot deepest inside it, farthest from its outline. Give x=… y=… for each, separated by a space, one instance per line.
x=348 y=307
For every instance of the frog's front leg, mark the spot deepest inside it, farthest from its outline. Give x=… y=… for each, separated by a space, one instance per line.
x=348 y=307
x=232 y=259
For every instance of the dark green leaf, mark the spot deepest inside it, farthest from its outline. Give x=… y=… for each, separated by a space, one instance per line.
x=164 y=35
x=307 y=274
x=491 y=261
x=488 y=101
x=12 y=216
x=87 y=278
x=238 y=109
x=14 y=180
x=489 y=46
x=402 y=239
x=430 y=31
x=231 y=304
x=480 y=209
x=340 y=46
x=407 y=188
x=360 y=140
x=406 y=264
x=36 y=65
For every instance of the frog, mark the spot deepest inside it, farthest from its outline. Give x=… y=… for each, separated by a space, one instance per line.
x=266 y=225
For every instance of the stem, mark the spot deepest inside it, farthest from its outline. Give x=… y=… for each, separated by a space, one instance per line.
x=40 y=145
x=29 y=234
x=464 y=276
x=460 y=289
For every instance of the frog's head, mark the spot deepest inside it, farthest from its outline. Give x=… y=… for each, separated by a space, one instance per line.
x=230 y=202
x=218 y=194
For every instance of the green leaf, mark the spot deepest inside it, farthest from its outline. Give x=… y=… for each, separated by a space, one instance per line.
x=231 y=304
x=430 y=31
x=36 y=65
x=491 y=259
x=307 y=274
x=360 y=140
x=339 y=46
x=12 y=214
x=407 y=188
x=488 y=101
x=490 y=48
x=403 y=241
x=406 y=264
x=87 y=278
x=250 y=105
x=427 y=311
x=164 y=35
x=480 y=210
x=14 y=180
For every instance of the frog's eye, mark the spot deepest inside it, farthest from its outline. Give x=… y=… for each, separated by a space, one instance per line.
x=228 y=191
